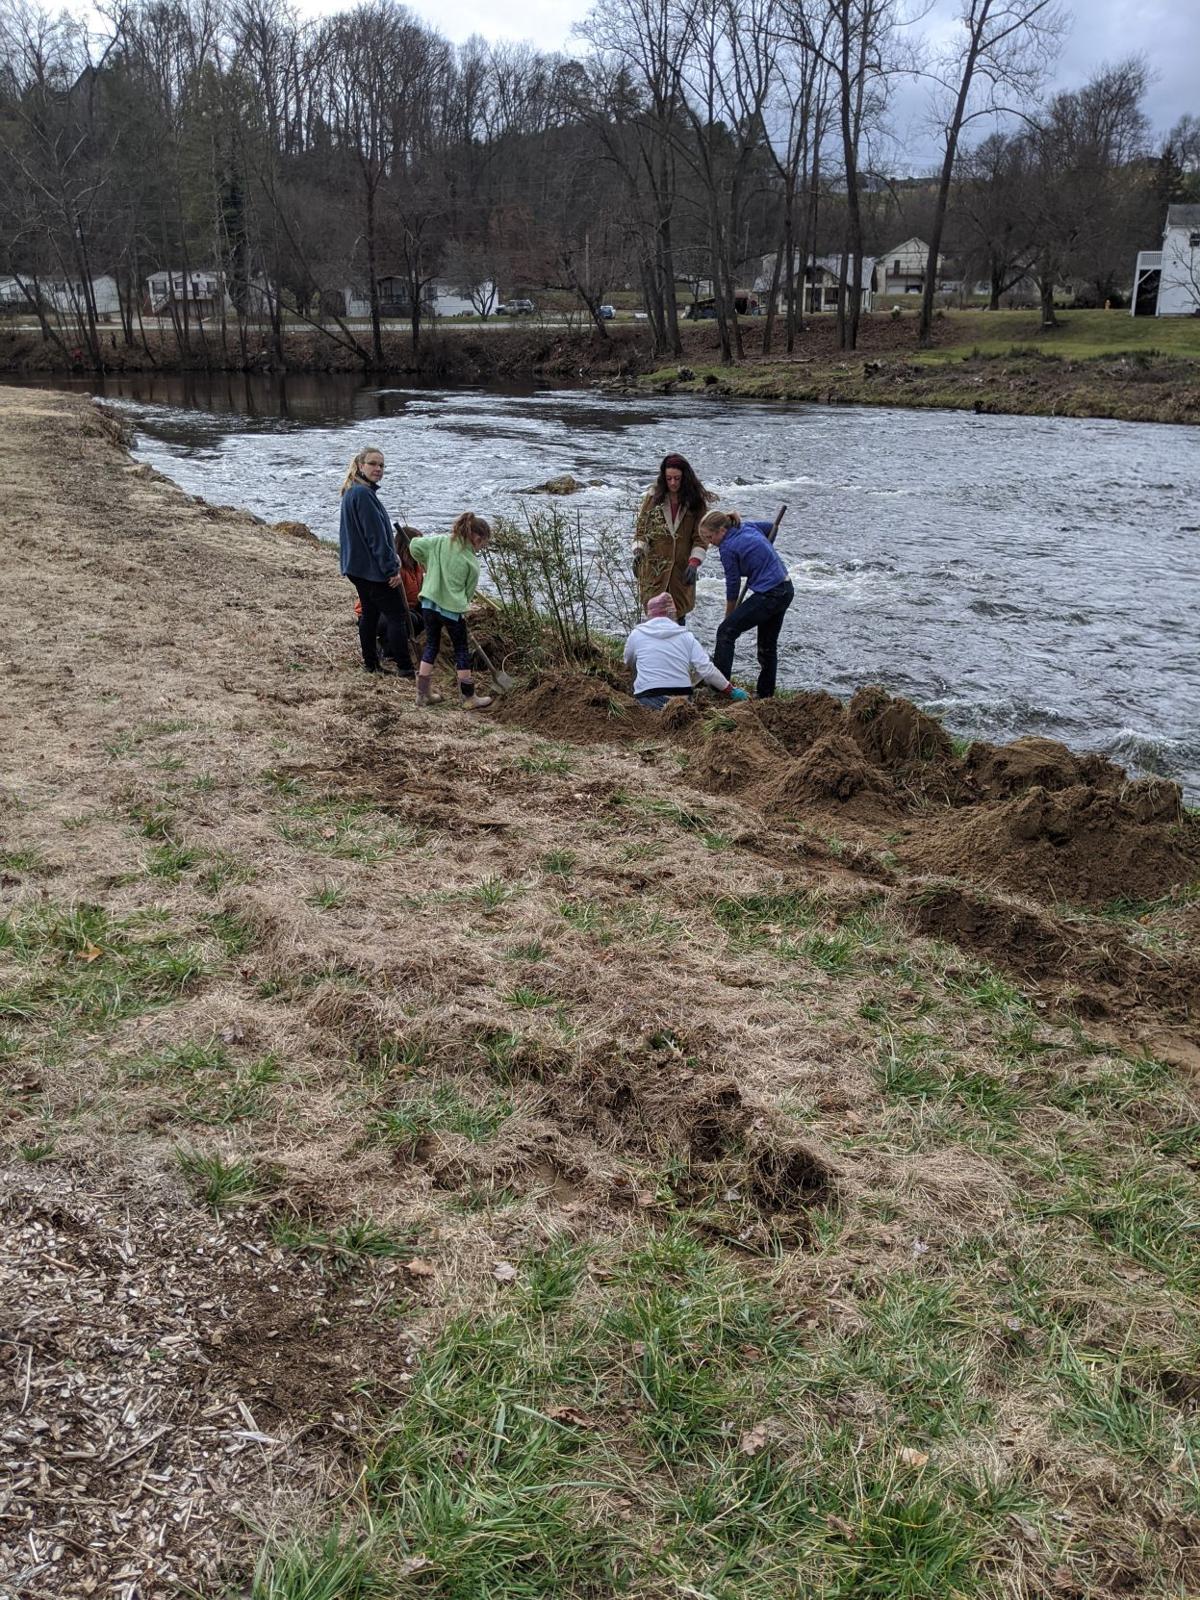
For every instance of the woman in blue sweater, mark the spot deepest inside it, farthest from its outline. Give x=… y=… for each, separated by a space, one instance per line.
x=748 y=556
x=369 y=560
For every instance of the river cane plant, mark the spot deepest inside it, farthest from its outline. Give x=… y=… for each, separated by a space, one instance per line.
x=565 y=588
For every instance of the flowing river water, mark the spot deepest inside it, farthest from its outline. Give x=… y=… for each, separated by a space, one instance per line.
x=1015 y=575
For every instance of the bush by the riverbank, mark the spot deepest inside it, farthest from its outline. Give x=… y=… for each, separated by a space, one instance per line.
x=571 y=1153
x=1097 y=364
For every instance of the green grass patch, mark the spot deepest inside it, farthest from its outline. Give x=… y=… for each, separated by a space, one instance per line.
x=407 y=1125
x=82 y=963
x=342 y=1250
x=220 y=1183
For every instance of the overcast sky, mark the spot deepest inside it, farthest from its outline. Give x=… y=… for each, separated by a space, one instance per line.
x=1167 y=32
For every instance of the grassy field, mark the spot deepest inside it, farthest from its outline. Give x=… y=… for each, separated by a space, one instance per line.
x=448 y=1158
x=1083 y=336
x=1096 y=364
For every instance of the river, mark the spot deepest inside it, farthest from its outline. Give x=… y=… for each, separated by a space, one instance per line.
x=1015 y=575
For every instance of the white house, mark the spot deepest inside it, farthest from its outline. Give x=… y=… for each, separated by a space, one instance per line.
x=395 y=301
x=821 y=282
x=902 y=268
x=1172 y=274
x=203 y=290
x=63 y=294
x=451 y=302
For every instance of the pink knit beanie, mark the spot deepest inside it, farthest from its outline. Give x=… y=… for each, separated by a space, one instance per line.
x=660 y=605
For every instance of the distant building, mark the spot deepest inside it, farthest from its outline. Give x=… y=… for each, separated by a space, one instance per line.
x=65 y=295
x=820 y=282
x=450 y=302
x=395 y=301
x=1166 y=282
x=203 y=291
x=902 y=268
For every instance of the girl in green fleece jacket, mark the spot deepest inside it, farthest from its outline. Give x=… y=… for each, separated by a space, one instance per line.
x=451 y=579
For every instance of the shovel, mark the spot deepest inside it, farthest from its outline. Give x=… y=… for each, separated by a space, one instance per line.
x=501 y=679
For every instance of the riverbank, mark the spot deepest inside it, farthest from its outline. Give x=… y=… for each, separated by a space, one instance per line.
x=1097 y=364
x=569 y=1152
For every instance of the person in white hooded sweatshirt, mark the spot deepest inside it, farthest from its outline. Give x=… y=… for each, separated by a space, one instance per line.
x=667 y=659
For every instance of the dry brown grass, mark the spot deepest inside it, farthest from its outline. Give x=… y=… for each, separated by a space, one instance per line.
x=415 y=995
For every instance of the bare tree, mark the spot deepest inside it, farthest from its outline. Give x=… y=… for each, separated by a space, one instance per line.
x=1003 y=47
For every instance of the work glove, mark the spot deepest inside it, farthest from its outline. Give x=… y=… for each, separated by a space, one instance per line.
x=639 y=559
x=689 y=573
x=737 y=694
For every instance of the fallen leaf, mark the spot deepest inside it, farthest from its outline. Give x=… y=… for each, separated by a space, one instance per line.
x=329 y=833
x=90 y=952
x=912 y=1458
x=571 y=1415
x=233 y=1034
x=504 y=1272
x=838 y=1526
x=416 y=1268
x=752 y=1441
x=412 y=1564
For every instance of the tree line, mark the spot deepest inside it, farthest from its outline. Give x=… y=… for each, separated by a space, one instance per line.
x=690 y=140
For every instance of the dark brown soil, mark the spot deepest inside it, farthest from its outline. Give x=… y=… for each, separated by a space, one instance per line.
x=565 y=706
x=833 y=775
x=1099 y=970
x=1079 y=846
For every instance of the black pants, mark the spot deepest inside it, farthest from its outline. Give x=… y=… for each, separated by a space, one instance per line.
x=434 y=623
x=381 y=601
x=762 y=611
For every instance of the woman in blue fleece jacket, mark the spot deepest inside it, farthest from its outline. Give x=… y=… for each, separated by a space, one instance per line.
x=369 y=560
x=748 y=556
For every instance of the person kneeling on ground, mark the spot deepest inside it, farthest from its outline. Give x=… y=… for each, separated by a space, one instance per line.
x=664 y=656
x=748 y=555
x=451 y=579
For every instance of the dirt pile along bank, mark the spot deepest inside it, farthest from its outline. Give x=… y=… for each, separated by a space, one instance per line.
x=1079 y=845
x=833 y=775
x=366 y=1072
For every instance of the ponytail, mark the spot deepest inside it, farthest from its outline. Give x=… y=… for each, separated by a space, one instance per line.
x=467 y=525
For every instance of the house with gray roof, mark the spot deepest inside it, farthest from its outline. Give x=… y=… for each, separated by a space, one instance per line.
x=1168 y=280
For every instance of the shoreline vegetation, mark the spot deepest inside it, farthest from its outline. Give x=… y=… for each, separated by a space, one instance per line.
x=1095 y=364
x=741 y=1152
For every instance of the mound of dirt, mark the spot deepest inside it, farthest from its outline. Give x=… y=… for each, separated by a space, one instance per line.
x=1080 y=845
x=998 y=771
x=802 y=719
x=1105 y=973
x=679 y=717
x=584 y=710
x=833 y=772
x=894 y=731
x=731 y=760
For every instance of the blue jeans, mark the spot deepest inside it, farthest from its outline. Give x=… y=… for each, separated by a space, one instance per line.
x=762 y=611
x=656 y=699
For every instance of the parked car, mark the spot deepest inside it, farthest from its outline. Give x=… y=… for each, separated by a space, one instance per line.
x=606 y=313
x=516 y=308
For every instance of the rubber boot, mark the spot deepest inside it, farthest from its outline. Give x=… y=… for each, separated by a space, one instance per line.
x=470 y=700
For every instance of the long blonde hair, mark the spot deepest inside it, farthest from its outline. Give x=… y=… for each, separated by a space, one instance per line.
x=469 y=524
x=353 y=473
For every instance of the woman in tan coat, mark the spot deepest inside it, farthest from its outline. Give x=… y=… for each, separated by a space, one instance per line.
x=667 y=549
